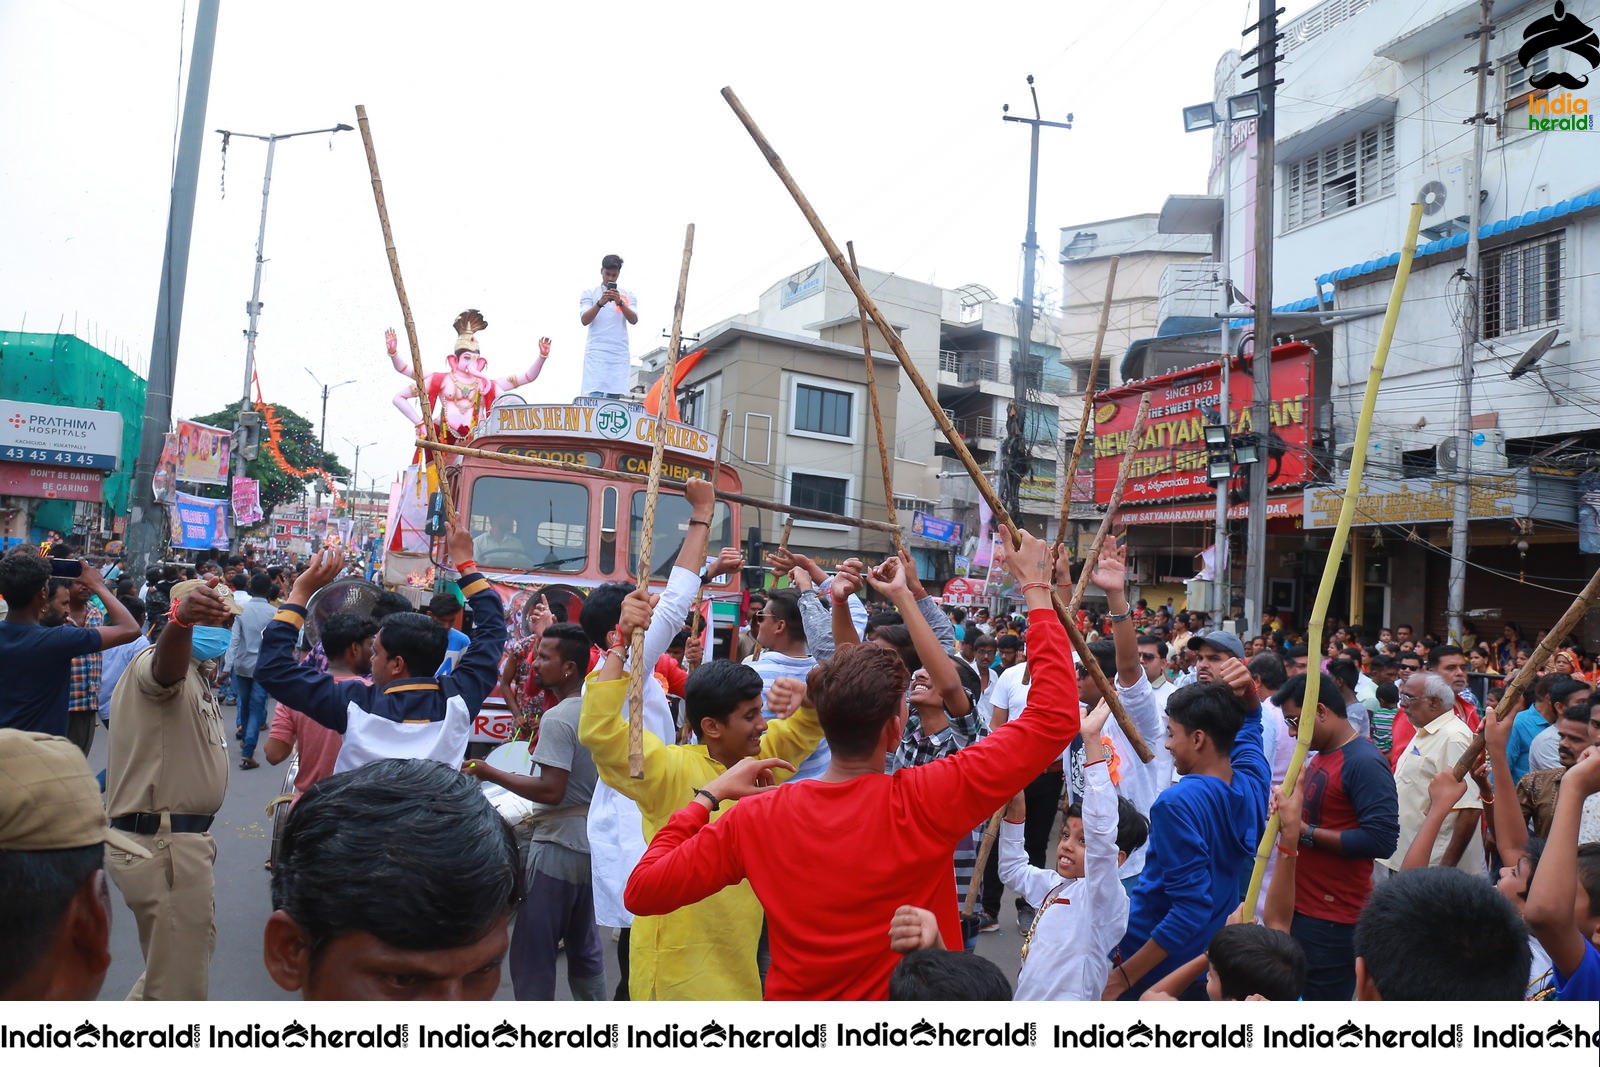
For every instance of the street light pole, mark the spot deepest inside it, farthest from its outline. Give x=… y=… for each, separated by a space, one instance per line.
x=322 y=434
x=254 y=307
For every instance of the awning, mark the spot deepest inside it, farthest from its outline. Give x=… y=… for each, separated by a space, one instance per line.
x=1493 y=229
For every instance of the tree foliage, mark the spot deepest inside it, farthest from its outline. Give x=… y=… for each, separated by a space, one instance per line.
x=299 y=445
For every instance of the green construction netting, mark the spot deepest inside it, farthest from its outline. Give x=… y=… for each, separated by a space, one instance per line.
x=54 y=368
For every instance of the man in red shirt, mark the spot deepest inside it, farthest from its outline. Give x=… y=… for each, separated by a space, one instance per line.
x=1350 y=816
x=860 y=840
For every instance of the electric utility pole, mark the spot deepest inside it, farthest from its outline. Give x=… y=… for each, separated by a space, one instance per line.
x=1015 y=459
x=1461 y=513
x=1266 y=53
x=146 y=519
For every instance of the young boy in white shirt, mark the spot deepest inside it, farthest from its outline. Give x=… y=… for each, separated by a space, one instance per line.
x=1081 y=908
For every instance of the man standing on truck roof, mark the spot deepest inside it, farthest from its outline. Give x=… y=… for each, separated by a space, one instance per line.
x=608 y=312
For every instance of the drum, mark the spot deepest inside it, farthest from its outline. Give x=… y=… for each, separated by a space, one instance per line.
x=513 y=757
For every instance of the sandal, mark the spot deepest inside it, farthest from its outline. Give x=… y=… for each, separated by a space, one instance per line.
x=248 y=764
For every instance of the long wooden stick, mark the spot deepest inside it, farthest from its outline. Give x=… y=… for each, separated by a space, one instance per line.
x=991 y=831
x=1530 y=670
x=1088 y=401
x=716 y=476
x=783 y=538
x=877 y=410
x=430 y=431
x=1341 y=533
x=643 y=479
x=1111 y=511
x=637 y=668
x=909 y=368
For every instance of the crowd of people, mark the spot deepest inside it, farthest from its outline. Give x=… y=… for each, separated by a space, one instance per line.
x=836 y=808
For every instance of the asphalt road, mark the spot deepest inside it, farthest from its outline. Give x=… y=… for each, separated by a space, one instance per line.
x=243 y=901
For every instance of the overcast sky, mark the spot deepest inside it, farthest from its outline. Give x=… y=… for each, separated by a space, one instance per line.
x=520 y=143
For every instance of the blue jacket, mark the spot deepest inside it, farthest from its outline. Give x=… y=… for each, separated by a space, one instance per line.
x=1202 y=833
x=409 y=718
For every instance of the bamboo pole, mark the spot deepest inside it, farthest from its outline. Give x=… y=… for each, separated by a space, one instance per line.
x=430 y=431
x=1341 y=533
x=1530 y=670
x=865 y=301
x=877 y=410
x=1088 y=401
x=991 y=831
x=642 y=479
x=716 y=476
x=637 y=668
x=1111 y=511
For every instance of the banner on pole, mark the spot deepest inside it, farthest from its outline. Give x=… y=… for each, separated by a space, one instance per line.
x=203 y=453
x=165 y=481
x=246 y=501
x=198 y=522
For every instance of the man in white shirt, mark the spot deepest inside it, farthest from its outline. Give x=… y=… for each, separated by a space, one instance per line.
x=608 y=312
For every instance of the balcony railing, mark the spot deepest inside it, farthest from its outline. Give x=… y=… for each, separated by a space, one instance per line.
x=970 y=369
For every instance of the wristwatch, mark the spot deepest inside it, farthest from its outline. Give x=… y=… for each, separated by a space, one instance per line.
x=1120 y=616
x=1308 y=836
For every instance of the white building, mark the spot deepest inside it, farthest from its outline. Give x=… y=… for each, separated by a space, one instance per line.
x=1370 y=118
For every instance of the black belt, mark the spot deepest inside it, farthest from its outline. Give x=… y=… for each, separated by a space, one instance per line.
x=149 y=822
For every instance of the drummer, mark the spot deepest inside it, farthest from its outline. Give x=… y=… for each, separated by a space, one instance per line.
x=559 y=901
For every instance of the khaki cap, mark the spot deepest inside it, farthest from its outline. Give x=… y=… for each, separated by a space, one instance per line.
x=49 y=799
x=183 y=589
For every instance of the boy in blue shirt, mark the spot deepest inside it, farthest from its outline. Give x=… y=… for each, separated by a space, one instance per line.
x=1203 y=830
x=1563 y=906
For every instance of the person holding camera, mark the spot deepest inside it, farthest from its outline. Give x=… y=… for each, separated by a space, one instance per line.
x=608 y=312
x=37 y=649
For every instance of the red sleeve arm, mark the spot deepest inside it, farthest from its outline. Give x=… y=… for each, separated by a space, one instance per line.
x=960 y=791
x=687 y=861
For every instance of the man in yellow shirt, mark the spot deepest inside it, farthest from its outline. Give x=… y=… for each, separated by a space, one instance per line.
x=706 y=951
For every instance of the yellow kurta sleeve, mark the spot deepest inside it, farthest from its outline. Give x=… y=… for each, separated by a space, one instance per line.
x=792 y=739
x=604 y=732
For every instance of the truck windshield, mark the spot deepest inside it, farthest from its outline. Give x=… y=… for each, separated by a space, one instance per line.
x=530 y=524
x=671 y=526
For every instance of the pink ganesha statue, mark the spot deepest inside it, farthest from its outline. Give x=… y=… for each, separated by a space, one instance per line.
x=463 y=394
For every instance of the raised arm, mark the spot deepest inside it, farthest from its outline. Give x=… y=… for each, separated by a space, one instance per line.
x=122 y=628
x=513 y=381
x=308 y=691
x=891 y=580
x=1510 y=828
x=1110 y=575
x=1443 y=792
x=1552 y=895
x=475 y=676
x=960 y=791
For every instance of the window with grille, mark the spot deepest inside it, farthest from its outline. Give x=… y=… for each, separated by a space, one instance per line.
x=824 y=411
x=820 y=492
x=1522 y=285
x=1519 y=94
x=692 y=407
x=1340 y=177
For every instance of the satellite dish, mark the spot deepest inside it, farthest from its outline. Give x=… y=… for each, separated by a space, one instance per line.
x=1432 y=197
x=1534 y=353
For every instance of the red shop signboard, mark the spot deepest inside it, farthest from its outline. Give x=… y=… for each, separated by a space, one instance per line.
x=52 y=483
x=1169 y=459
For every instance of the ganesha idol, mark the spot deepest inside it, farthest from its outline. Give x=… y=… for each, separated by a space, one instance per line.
x=463 y=394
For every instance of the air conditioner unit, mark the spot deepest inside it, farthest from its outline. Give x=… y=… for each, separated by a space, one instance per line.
x=1383 y=457
x=1488 y=452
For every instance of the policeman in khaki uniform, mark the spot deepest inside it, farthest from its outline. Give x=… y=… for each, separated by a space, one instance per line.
x=166 y=775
